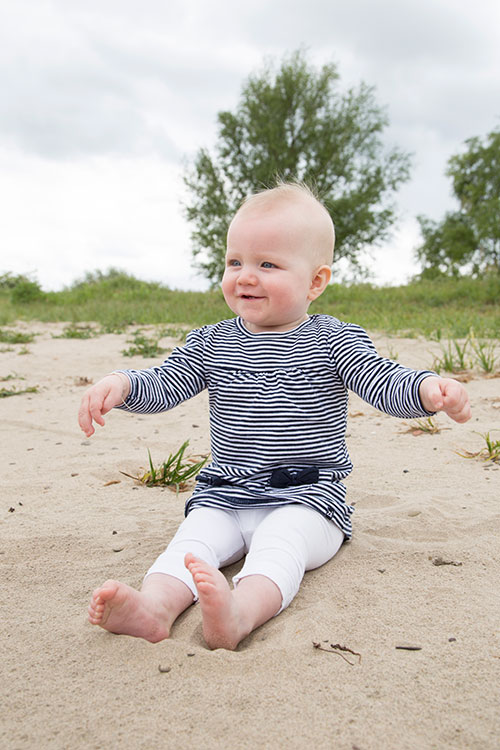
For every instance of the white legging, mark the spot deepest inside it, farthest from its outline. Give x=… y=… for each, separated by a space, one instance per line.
x=279 y=543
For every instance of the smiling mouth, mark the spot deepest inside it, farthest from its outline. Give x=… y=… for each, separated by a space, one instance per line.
x=249 y=296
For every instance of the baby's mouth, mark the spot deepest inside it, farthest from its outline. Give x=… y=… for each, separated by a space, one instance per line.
x=249 y=296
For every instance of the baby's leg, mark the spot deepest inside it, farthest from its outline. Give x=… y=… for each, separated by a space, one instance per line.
x=290 y=540
x=230 y=615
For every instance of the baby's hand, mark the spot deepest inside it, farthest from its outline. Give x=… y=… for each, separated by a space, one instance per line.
x=101 y=398
x=445 y=394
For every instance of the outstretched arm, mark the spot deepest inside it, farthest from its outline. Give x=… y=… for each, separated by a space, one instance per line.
x=445 y=394
x=111 y=391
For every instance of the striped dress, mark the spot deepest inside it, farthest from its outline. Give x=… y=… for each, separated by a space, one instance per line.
x=277 y=400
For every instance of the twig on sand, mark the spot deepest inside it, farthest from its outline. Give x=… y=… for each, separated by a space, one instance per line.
x=336 y=648
x=441 y=561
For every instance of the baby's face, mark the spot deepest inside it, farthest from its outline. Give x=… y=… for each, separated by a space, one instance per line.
x=269 y=270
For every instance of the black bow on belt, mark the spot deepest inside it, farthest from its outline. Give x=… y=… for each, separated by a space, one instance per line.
x=284 y=478
x=280 y=478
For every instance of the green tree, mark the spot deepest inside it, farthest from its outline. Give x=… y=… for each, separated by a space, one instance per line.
x=468 y=239
x=448 y=245
x=294 y=123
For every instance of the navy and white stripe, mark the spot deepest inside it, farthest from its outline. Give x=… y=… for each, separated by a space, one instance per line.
x=278 y=400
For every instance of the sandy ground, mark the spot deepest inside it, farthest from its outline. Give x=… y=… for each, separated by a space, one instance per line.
x=69 y=520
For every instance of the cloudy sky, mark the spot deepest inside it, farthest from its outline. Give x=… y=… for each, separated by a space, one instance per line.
x=103 y=101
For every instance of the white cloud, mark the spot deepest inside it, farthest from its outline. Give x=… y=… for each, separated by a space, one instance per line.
x=104 y=212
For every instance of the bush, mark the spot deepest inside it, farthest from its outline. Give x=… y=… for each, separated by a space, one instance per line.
x=22 y=289
x=26 y=291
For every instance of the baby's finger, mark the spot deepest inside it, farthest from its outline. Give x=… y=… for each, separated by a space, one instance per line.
x=434 y=394
x=458 y=412
x=109 y=403
x=456 y=401
x=91 y=410
x=84 y=418
x=96 y=412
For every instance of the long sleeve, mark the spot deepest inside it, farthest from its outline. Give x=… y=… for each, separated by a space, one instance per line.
x=384 y=384
x=178 y=379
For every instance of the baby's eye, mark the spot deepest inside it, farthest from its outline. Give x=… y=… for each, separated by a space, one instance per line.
x=267 y=264
x=233 y=262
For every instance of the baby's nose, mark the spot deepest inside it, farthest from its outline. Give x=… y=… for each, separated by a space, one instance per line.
x=247 y=276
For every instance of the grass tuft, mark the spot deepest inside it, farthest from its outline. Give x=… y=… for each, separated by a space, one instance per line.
x=457 y=357
x=490 y=452
x=174 y=332
x=427 y=425
x=12 y=376
x=175 y=472
x=6 y=392
x=15 y=337
x=77 y=331
x=485 y=353
x=141 y=345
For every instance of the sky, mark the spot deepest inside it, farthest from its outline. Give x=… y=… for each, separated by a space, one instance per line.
x=105 y=102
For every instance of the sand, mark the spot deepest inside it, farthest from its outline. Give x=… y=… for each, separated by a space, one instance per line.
x=70 y=520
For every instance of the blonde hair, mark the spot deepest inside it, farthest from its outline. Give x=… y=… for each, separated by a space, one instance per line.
x=320 y=228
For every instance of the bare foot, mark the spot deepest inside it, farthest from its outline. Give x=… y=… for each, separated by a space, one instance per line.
x=121 y=609
x=222 y=626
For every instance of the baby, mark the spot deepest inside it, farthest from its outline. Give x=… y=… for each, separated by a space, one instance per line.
x=278 y=383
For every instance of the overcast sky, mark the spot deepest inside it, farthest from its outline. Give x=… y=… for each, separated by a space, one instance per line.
x=103 y=101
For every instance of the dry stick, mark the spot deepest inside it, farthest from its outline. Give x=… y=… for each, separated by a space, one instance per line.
x=335 y=648
x=440 y=561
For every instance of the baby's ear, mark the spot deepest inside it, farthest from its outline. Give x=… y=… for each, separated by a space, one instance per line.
x=319 y=282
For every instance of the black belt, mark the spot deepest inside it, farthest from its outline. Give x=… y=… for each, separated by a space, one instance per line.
x=280 y=478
